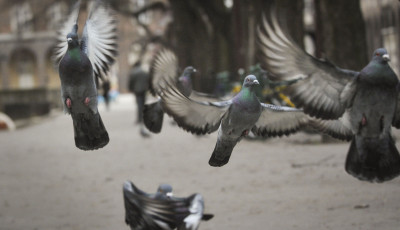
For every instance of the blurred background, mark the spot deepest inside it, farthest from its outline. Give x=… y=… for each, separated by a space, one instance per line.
x=217 y=37
x=295 y=182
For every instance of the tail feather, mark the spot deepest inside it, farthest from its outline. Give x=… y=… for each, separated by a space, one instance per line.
x=153 y=116
x=374 y=160
x=221 y=154
x=89 y=130
x=207 y=216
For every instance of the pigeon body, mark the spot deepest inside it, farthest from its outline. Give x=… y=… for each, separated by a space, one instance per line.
x=81 y=62
x=233 y=118
x=242 y=115
x=161 y=211
x=357 y=106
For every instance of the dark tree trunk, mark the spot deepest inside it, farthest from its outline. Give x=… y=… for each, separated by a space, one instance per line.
x=340 y=33
x=200 y=36
x=291 y=15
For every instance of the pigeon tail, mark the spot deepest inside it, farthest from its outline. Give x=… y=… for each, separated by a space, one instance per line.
x=153 y=116
x=207 y=217
x=221 y=154
x=89 y=130
x=373 y=159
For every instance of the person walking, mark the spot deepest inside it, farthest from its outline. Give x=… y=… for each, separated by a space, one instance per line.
x=139 y=85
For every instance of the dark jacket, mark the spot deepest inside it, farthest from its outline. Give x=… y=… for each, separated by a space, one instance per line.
x=138 y=80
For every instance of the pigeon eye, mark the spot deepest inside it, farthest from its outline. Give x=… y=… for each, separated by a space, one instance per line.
x=247 y=80
x=378 y=54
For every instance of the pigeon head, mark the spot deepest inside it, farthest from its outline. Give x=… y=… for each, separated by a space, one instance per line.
x=188 y=71
x=165 y=189
x=72 y=39
x=250 y=81
x=381 y=55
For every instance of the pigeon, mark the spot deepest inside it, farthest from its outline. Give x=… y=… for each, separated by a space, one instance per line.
x=233 y=118
x=81 y=62
x=164 y=68
x=161 y=210
x=355 y=106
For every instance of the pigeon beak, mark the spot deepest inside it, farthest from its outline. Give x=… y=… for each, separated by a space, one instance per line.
x=69 y=40
x=256 y=82
x=169 y=194
x=386 y=57
x=194 y=70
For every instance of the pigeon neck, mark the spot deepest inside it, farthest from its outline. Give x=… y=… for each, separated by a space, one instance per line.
x=75 y=53
x=247 y=92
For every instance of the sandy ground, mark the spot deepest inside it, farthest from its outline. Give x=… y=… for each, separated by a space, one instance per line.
x=284 y=183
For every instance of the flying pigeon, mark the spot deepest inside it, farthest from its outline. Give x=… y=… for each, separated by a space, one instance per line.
x=357 y=106
x=161 y=210
x=165 y=69
x=233 y=118
x=81 y=62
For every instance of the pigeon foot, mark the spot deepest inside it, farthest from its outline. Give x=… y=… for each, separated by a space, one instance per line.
x=68 y=102
x=87 y=100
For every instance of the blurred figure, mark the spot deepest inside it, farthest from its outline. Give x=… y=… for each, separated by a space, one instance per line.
x=106 y=89
x=138 y=85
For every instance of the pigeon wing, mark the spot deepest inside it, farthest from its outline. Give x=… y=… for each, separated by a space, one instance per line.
x=145 y=212
x=334 y=128
x=279 y=120
x=193 y=116
x=164 y=68
x=70 y=25
x=196 y=209
x=99 y=38
x=322 y=83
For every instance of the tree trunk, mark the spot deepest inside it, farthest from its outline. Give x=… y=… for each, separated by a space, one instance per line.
x=340 y=33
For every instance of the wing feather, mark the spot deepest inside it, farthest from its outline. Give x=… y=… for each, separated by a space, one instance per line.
x=279 y=120
x=144 y=212
x=322 y=83
x=99 y=38
x=193 y=116
x=164 y=68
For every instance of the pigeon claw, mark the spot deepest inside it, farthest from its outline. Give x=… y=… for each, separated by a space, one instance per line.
x=87 y=100
x=68 y=102
x=245 y=133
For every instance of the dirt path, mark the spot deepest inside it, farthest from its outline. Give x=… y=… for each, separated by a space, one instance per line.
x=284 y=183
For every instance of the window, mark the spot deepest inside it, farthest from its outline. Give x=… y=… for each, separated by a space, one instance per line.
x=21 y=18
x=55 y=15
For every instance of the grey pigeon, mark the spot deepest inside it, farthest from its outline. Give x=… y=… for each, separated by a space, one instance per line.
x=161 y=210
x=233 y=118
x=165 y=69
x=81 y=62
x=357 y=106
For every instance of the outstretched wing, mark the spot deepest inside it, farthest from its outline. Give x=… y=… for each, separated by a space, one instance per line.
x=193 y=116
x=142 y=211
x=164 y=68
x=279 y=120
x=196 y=209
x=334 y=128
x=319 y=91
x=99 y=38
x=70 y=25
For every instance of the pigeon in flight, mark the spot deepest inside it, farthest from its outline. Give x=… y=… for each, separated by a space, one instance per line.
x=233 y=118
x=162 y=211
x=165 y=69
x=81 y=62
x=357 y=106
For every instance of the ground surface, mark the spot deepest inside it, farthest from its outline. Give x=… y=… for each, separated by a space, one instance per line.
x=284 y=183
